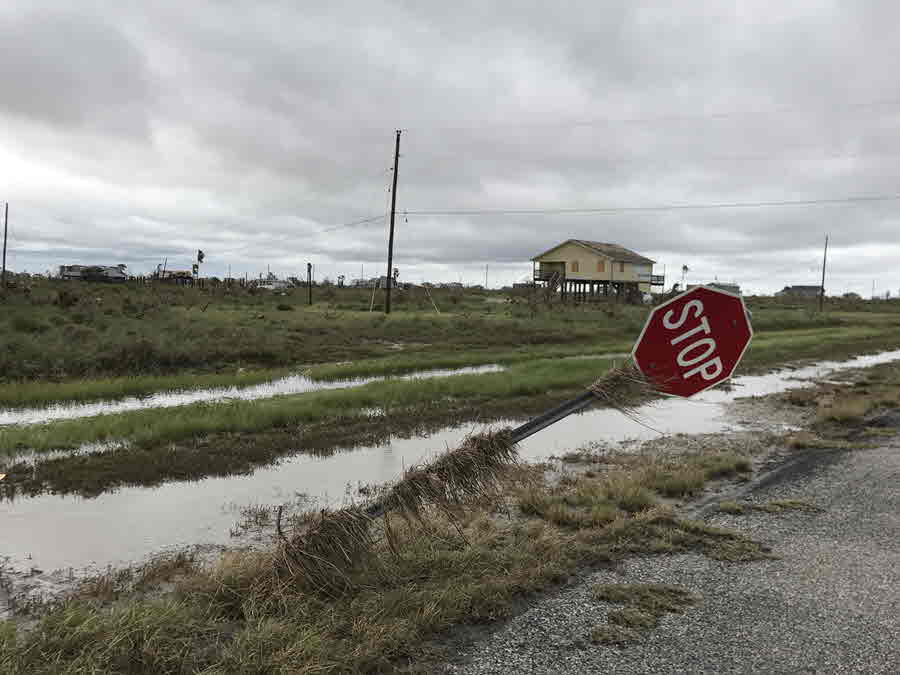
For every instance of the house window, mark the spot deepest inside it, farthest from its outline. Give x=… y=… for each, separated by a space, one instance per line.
x=574 y=266
x=601 y=266
x=621 y=267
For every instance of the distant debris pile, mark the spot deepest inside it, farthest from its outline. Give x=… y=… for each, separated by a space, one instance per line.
x=114 y=273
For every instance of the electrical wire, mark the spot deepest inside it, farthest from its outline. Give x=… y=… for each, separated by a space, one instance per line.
x=602 y=210
x=661 y=207
x=832 y=109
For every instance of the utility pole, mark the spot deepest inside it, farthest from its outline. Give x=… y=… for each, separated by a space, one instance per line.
x=5 y=229
x=485 y=276
x=309 y=281
x=390 y=264
x=822 y=289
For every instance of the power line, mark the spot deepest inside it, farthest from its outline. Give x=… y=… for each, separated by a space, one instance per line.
x=622 y=209
x=362 y=221
x=831 y=109
x=657 y=159
x=661 y=207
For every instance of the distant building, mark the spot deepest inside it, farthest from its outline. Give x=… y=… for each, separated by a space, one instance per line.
x=721 y=285
x=374 y=282
x=800 y=291
x=273 y=285
x=176 y=275
x=93 y=272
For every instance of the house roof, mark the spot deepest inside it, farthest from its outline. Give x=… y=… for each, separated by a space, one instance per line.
x=614 y=252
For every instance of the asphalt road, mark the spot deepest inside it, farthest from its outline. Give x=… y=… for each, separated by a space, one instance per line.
x=829 y=604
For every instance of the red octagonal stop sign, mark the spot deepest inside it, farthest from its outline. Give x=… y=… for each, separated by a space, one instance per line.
x=694 y=341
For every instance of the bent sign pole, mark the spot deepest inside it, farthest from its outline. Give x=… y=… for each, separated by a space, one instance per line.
x=689 y=344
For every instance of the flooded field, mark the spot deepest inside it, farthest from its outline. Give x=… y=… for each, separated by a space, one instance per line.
x=56 y=532
x=292 y=384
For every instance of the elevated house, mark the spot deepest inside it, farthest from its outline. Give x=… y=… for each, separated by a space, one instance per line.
x=586 y=269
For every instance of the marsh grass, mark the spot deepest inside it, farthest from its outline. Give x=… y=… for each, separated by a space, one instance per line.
x=846 y=410
x=731 y=506
x=645 y=605
x=160 y=426
x=64 y=331
x=529 y=378
x=85 y=337
x=43 y=394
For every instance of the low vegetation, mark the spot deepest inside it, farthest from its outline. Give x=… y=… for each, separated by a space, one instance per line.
x=389 y=397
x=58 y=331
x=76 y=333
x=42 y=393
x=843 y=408
x=465 y=561
x=644 y=606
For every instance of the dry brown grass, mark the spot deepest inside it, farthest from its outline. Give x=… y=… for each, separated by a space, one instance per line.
x=331 y=543
x=845 y=409
x=625 y=389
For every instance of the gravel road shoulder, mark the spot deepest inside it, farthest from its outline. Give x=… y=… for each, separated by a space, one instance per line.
x=829 y=602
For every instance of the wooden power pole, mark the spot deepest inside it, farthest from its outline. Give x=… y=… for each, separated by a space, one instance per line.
x=822 y=289
x=390 y=262
x=5 y=229
x=309 y=281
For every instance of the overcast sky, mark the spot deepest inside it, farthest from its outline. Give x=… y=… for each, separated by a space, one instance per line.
x=136 y=132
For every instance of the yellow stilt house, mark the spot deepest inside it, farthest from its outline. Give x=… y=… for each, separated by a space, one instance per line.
x=587 y=269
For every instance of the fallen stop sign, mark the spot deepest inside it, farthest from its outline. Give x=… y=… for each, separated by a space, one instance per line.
x=694 y=341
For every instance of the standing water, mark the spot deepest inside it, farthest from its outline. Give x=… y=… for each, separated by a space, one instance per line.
x=292 y=384
x=58 y=532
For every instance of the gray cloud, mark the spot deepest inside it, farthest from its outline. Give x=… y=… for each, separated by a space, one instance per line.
x=139 y=132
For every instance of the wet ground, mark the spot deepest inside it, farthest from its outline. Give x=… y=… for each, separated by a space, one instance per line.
x=292 y=384
x=53 y=532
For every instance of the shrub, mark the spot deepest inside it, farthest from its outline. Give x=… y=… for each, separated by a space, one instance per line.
x=27 y=324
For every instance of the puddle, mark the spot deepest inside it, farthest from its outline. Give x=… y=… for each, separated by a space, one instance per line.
x=293 y=384
x=58 y=532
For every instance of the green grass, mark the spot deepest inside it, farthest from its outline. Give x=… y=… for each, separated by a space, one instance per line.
x=42 y=393
x=396 y=365
x=169 y=424
x=731 y=506
x=65 y=331
x=529 y=378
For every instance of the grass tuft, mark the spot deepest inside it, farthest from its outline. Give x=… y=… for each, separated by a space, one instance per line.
x=644 y=604
x=731 y=507
x=614 y=635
